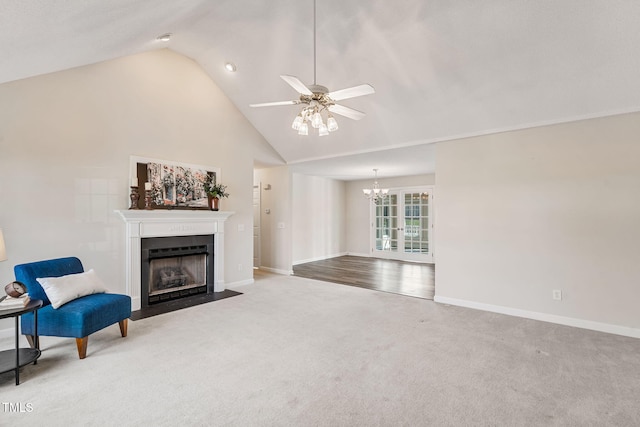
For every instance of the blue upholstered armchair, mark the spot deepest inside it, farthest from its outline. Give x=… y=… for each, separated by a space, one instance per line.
x=78 y=318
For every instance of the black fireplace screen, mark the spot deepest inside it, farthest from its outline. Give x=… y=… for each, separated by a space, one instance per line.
x=177 y=272
x=175 y=267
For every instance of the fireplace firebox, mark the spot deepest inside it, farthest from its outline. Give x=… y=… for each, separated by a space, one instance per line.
x=176 y=267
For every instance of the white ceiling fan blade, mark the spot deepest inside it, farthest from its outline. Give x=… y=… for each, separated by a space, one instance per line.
x=271 y=104
x=346 y=111
x=297 y=85
x=351 y=92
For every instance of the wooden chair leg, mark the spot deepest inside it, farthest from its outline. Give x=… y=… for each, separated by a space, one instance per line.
x=31 y=340
x=123 y=327
x=82 y=346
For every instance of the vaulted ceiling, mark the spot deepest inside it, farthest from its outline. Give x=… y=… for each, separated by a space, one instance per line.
x=441 y=69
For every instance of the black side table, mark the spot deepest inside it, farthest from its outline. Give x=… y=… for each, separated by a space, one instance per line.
x=13 y=360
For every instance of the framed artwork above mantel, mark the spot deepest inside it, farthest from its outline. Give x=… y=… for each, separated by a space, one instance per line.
x=174 y=185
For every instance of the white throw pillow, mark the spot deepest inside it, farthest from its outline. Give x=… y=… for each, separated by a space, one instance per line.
x=61 y=290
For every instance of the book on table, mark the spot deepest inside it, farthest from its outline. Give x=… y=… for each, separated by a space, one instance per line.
x=9 y=303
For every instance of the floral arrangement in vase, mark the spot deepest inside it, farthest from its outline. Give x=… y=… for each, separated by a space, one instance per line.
x=214 y=191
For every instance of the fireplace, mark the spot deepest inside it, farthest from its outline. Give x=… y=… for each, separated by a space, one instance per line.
x=176 y=267
x=143 y=225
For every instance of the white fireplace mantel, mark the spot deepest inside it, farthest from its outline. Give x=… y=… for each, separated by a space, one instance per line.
x=141 y=224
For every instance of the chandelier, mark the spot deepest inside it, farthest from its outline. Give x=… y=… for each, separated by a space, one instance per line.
x=375 y=193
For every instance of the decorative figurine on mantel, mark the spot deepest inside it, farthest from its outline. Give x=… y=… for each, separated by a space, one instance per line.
x=135 y=195
x=214 y=191
x=147 y=196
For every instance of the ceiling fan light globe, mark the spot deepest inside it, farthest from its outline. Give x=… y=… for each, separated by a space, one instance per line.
x=304 y=129
x=297 y=122
x=322 y=130
x=316 y=120
x=366 y=191
x=332 y=124
x=385 y=190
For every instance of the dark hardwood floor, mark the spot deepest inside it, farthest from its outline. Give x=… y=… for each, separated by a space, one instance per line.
x=400 y=277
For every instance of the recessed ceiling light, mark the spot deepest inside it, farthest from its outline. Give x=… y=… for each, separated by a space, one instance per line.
x=164 y=38
x=230 y=67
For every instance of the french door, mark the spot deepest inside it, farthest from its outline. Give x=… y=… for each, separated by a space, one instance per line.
x=402 y=225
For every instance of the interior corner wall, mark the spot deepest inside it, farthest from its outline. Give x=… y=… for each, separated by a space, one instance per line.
x=65 y=144
x=358 y=209
x=318 y=218
x=521 y=214
x=275 y=219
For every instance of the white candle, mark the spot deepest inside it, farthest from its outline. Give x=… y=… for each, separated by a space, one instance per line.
x=134 y=181
x=147 y=186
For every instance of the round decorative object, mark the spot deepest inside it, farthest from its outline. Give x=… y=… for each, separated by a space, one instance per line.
x=15 y=289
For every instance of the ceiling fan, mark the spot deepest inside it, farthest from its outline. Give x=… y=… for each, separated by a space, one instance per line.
x=317 y=99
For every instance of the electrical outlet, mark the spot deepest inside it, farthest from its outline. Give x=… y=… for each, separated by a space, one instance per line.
x=557 y=294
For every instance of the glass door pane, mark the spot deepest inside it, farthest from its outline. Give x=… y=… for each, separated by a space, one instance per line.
x=386 y=223
x=416 y=223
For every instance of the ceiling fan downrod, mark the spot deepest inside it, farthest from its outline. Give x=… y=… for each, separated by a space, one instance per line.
x=318 y=99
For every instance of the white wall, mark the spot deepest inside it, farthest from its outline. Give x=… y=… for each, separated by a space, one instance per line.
x=520 y=214
x=358 y=216
x=275 y=219
x=318 y=218
x=65 y=142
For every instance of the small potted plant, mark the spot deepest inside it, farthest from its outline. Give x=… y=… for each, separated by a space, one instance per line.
x=215 y=192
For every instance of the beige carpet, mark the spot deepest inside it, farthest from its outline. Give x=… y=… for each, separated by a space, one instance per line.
x=298 y=352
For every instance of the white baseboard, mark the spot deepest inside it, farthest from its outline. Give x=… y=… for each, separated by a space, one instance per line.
x=359 y=254
x=277 y=271
x=240 y=283
x=320 y=258
x=545 y=317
